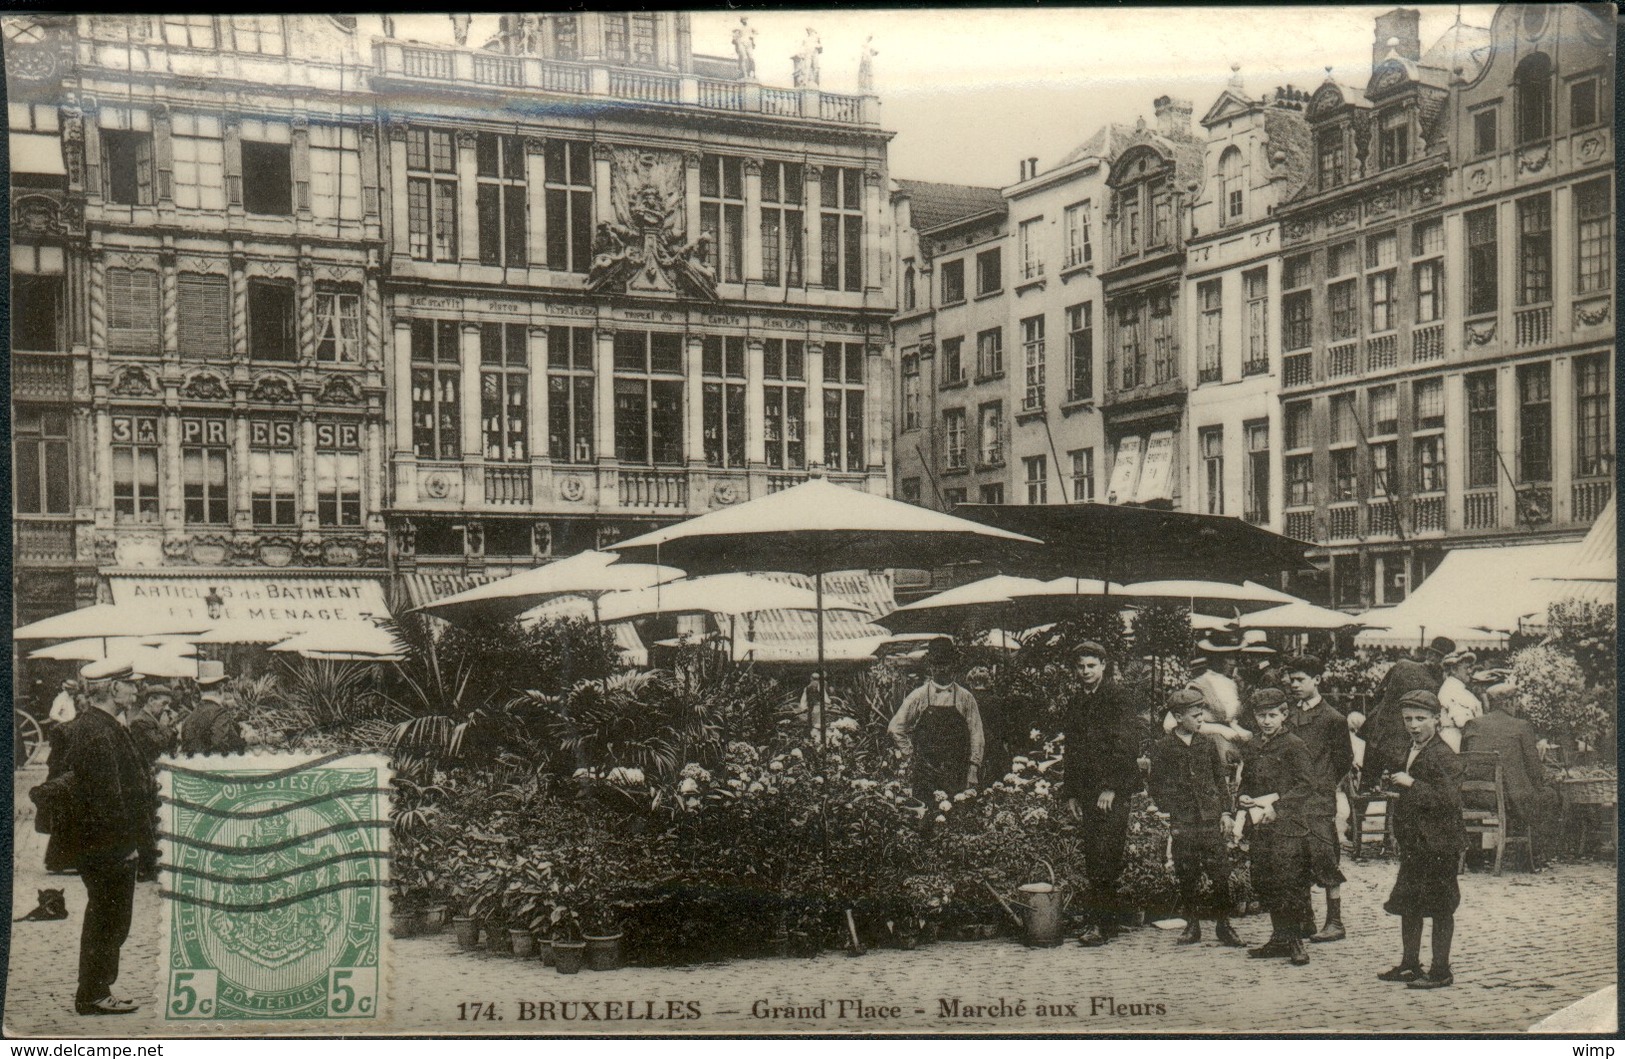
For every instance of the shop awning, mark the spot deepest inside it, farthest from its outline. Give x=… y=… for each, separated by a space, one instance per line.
x=1156 y=471
x=1475 y=597
x=279 y=601
x=426 y=587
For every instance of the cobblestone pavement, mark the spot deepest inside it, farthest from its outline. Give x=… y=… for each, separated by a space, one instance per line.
x=1526 y=946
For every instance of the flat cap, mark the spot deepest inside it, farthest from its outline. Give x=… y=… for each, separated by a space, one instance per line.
x=1266 y=699
x=152 y=690
x=1184 y=699
x=1090 y=647
x=107 y=669
x=1420 y=699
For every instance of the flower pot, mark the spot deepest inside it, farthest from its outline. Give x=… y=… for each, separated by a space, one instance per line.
x=468 y=932
x=544 y=948
x=496 y=941
x=604 y=952
x=431 y=920
x=568 y=956
x=522 y=942
x=401 y=924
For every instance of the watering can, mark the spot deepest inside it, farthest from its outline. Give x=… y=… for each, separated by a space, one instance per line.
x=1043 y=911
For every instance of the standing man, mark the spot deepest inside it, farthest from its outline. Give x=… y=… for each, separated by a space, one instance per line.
x=104 y=821
x=1457 y=703
x=212 y=727
x=1531 y=801
x=1387 y=744
x=151 y=729
x=1101 y=772
x=1325 y=732
x=939 y=727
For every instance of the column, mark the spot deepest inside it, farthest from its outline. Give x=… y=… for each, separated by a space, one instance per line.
x=755 y=406
x=603 y=160
x=691 y=194
x=372 y=315
x=810 y=241
x=169 y=300
x=306 y=293
x=815 y=404
x=872 y=234
x=468 y=214
x=401 y=238
x=97 y=299
x=1455 y=448
x=877 y=400
x=536 y=348
x=603 y=420
x=536 y=192
x=373 y=439
x=753 y=220
x=470 y=350
x=403 y=388
x=694 y=401
x=307 y=467
x=104 y=459
x=1506 y=416
x=173 y=511
x=242 y=511
x=239 y=303
x=1562 y=435
x=369 y=170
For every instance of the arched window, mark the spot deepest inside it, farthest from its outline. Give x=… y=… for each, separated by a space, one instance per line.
x=1232 y=191
x=1533 y=87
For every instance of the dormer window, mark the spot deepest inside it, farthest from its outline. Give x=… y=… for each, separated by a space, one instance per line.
x=1232 y=192
x=1394 y=139
x=1533 y=86
x=1329 y=154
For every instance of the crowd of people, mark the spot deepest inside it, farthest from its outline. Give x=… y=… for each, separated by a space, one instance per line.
x=1250 y=753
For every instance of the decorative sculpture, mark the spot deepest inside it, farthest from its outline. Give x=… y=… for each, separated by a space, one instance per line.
x=459 y=29
x=646 y=247
x=744 y=38
x=804 y=64
x=866 y=67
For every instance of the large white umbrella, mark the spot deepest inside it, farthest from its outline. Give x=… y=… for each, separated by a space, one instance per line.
x=1301 y=617
x=590 y=574
x=247 y=630
x=819 y=527
x=94 y=648
x=727 y=594
x=1245 y=596
x=1000 y=597
x=108 y=620
x=345 y=639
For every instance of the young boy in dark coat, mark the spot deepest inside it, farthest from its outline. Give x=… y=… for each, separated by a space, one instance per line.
x=1190 y=783
x=1275 y=789
x=1431 y=836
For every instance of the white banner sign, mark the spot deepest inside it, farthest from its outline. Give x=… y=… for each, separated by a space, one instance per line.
x=1156 y=477
x=291 y=599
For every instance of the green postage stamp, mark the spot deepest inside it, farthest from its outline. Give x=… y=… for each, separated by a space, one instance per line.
x=275 y=869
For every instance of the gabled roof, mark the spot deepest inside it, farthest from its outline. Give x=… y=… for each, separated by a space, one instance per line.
x=1230 y=104
x=1461 y=45
x=933 y=205
x=1186 y=152
x=1107 y=143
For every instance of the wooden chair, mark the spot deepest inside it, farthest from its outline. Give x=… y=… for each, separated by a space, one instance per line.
x=1482 y=783
x=1360 y=810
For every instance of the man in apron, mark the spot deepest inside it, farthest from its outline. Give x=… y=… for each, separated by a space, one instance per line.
x=939 y=728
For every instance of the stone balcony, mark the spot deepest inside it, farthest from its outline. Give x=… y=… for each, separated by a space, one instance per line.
x=465 y=68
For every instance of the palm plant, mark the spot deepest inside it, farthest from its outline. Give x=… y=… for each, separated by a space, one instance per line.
x=641 y=721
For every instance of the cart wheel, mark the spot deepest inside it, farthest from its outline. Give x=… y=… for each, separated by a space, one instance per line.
x=27 y=739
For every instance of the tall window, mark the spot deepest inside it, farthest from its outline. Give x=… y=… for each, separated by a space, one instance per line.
x=335 y=172
x=1079 y=251
x=135 y=468
x=272 y=333
x=722 y=213
x=1384 y=406
x=1428 y=434
x=953 y=281
x=1483 y=290
x=1535 y=250
x=1593 y=214
x=1343 y=311
x=273 y=480
x=1210 y=352
x=1384 y=461
x=1427 y=278
x=1032 y=352
x=784 y=188
x=990 y=429
x=1256 y=486
x=568 y=168
x=132 y=310
x=649 y=397
x=431 y=194
x=990 y=353
x=504 y=392
x=1256 y=289
x=953 y=359
x=338 y=326
x=784 y=392
x=1329 y=153
x=258 y=34
x=1583 y=98
x=989 y=271
x=1428 y=460
x=617 y=34
x=199 y=161
x=1130 y=349
x=1211 y=440
x=1037 y=469
x=911 y=391
x=1083 y=474
x=127 y=167
x=500 y=199
x=1164 y=339
x=43 y=476
x=1300 y=480
x=1232 y=190
x=1296 y=418
x=1428 y=396
x=1394 y=138
x=189 y=31
x=843 y=406
x=1593 y=397
x=566 y=37
x=570 y=377
x=953 y=432
x=1381 y=288
x=1532 y=88
x=204 y=311
x=1080 y=351
x=841 y=227
x=338 y=474
x=268 y=169
x=37 y=312
x=436 y=389
x=911 y=297
x=1297 y=319
x=722 y=364
x=1032 y=257
x=1482 y=457
x=1534 y=422
x=205 y=471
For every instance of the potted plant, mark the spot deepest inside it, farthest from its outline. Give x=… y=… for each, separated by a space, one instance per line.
x=569 y=949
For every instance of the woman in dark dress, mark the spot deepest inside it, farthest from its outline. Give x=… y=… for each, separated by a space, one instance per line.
x=1431 y=836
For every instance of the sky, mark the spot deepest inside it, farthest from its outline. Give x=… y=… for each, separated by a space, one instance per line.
x=970 y=92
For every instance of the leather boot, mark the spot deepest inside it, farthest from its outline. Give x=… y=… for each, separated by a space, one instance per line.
x=1192 y=932
x=1227 y=934
x=1333 y=930
x=1297 y=953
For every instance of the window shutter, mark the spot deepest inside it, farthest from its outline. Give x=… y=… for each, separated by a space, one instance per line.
x=205 y=314
x=132 y=310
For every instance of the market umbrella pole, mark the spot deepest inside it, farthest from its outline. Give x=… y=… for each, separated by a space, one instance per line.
x=823 y=692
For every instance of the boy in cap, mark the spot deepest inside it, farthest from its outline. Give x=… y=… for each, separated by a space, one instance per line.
x=1331 y=755
x=1431 y=836
x=212 y=729
x=1275 y=790
x=1189 y=782
x=1384 y=731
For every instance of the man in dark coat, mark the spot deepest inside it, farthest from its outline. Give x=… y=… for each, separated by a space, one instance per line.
x=1386 y=743
x=150 y=728
x=104 y=824
x=1531 y=801
x=212 y=727
x=1331 y=754
x=1101 y=772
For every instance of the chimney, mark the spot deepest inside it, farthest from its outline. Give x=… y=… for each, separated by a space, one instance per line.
x=1174 y=116
x=1029 y=168
x=1398 y=30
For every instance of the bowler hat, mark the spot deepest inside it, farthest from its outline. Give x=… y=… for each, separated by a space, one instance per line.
x=107 y=669
x=210 y=672
x=1420 y=699
x=1266 y=699
x=1442 y=645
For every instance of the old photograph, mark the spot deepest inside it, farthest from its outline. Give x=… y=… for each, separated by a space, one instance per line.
x=765 y=521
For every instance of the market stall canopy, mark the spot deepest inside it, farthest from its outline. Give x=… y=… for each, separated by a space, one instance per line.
x=1137 y=543
x=1300 y=616
x=727 y=594
x=356 y=640
x=1592 y=573
x=244 y=631
x=1212 y=596
x=1475 y=597
x=230 y=609
x=96 y=647
x=590 y=575
x=111 y=620
x=1002 y=598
